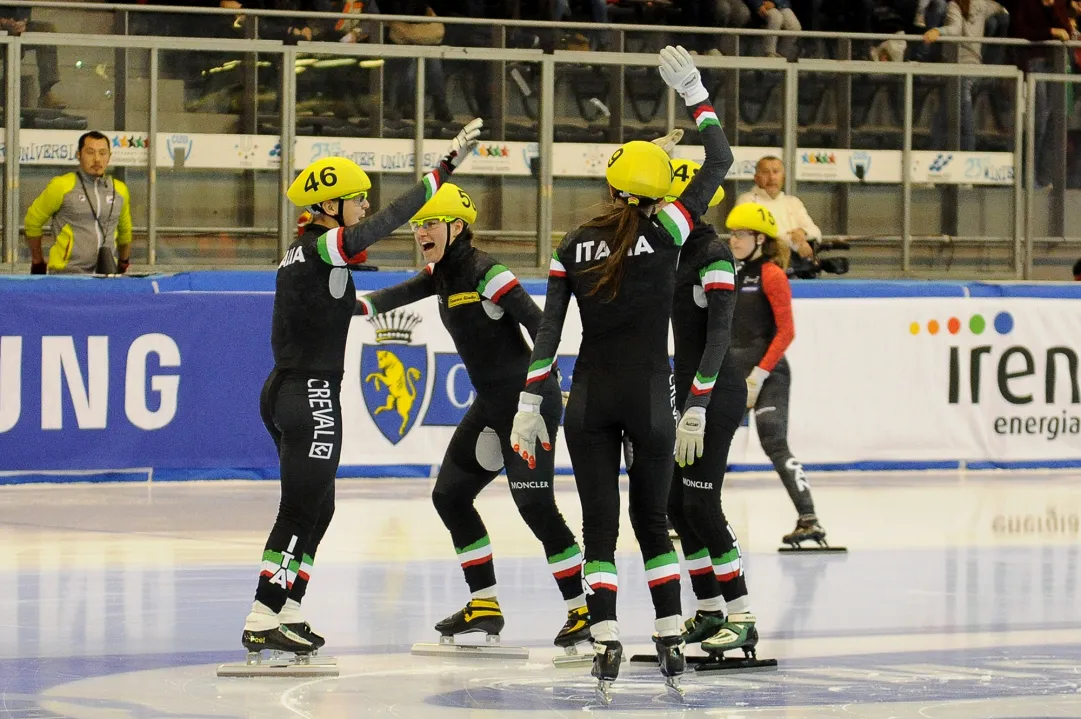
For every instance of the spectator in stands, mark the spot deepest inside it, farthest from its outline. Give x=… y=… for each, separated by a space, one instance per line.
x=733 y=13
x=794 y=225
x=777 y=15
x=975 y=19
x=401 y=84
x=88 y=211
x=16 y=21
x=1039 y=21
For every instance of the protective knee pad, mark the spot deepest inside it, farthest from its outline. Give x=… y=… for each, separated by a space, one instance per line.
x=489 y=450
x=451 y=494
x=772 y=432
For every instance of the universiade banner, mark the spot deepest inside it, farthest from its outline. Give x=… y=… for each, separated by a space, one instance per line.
x=884 y=376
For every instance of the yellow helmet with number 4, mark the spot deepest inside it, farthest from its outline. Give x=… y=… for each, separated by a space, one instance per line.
x=640 y=168
x=752 y=216
x=683 y=171
x=449 y=203
x=331 y=178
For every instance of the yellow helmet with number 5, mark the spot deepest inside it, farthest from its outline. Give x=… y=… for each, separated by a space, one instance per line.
x=752 y=216
x=683 y=171
x=331 y=178
x=449 y=203
x=640 y=168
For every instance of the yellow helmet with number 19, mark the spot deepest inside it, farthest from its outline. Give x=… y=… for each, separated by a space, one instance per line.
x=449 y=203
x=331 y=178
x=641 y=169
x=752 y=216
x=683 y=171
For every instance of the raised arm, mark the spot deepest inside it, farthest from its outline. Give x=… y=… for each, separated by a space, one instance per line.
x=678 y=71
x=341 y=245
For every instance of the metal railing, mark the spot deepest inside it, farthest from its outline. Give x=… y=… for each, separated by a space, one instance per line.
x=1020 y=238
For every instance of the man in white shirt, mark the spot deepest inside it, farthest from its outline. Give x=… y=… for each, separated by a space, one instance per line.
x=795 y=225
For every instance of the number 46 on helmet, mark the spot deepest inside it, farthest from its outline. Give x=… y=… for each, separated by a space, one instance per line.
x=331 y=178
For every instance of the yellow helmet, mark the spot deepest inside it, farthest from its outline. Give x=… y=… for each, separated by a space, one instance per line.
x=450 y=202
x=752 y=216
x=640 y=168
x=683 y=171
x=331 y=178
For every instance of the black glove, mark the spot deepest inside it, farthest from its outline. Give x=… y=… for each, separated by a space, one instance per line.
x=39 y=268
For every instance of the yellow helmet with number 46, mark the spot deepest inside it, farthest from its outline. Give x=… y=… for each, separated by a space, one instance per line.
x=752 y=216
x=449 y=203
x=332 y=178
x=640 y=168
x=683 y=171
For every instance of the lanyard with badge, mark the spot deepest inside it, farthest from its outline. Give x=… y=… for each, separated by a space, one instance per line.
x=106 y=264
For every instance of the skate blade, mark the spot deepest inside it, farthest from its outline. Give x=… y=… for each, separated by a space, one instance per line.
x=707 y=664
x=281 y=667
x=671 y=684
x=470 y=651
x=573 y=658
x=814 y=549
x=604 y=691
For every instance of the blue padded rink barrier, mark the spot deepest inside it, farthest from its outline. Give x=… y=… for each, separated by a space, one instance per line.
x=960 y=595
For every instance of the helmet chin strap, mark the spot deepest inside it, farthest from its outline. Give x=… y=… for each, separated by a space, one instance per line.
x=340 y=216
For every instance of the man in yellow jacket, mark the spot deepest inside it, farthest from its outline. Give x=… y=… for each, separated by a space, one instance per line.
x=88 y=211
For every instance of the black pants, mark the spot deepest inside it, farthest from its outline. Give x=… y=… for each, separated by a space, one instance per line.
x=478 y=451
x=603 y=407
x=695 y=509
x=771 y=419
x=303 y=414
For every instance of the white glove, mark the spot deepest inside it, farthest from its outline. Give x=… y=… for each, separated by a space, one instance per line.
x=463 y=143
x=755 y=380
x=528 y=427
x=668 y=142
x=679 y=73
x=690 y=436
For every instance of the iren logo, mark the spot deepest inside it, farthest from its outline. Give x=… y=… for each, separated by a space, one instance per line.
x=1022 y=375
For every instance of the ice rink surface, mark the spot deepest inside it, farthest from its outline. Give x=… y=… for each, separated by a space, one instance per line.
x=960 y=597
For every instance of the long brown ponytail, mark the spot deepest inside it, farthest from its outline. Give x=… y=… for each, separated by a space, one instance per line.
x=777 y=251
x=622 y=219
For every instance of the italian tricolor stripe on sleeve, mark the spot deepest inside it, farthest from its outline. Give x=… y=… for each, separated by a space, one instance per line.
x=719 y=275
x=432 y=184
x=330 y=248
x=556 y=268
x=497 y=282
x=366 y=305
x=702 y=385
x=677 y=221
x=539 y=370
x=705 y=116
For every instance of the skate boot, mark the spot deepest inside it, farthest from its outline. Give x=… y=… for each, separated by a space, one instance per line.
x=607 y=657
x=304 y=630
x=576 y=630
x=702 y=626
x=738 y=632
x=278 y=639
x=479 y=615
x=292 y=619
x=672 y=661
x=807 y=527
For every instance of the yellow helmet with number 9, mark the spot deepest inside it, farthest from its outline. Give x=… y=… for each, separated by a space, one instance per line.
x=640 y=168
x=330 y=178
x=683 y=171
x=449 y=203
x=752 y=216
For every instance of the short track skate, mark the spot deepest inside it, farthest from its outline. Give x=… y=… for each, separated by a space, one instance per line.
x=572 y=637
x=607 y=656
x=480 y=616
x=738 y=633
x=808 y=530
x=279 y=652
